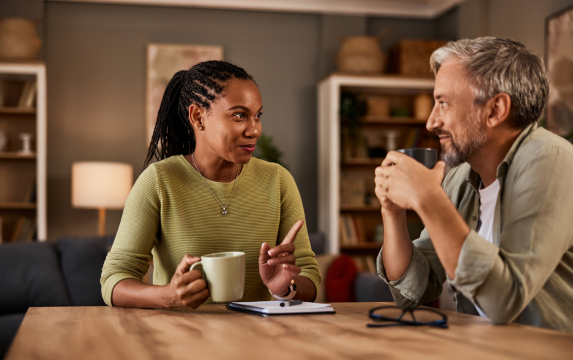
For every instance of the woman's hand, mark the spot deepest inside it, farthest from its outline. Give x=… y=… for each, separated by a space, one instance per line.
x=277 y=265
x=187 y=288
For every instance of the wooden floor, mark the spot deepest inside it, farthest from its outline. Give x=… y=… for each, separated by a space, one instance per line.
x=212 y=332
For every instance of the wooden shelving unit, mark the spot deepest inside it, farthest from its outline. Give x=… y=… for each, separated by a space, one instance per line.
x=333 y=166
x=23 y=176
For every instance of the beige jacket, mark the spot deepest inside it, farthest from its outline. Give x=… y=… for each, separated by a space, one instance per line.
x=526 y=275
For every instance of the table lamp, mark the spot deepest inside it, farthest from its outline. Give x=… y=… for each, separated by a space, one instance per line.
x=101 y=185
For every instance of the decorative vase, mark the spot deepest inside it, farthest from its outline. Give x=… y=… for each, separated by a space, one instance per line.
x=360 y=55
x=18 y=39
x=423 y=106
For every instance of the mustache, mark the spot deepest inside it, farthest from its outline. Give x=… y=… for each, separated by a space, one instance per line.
x=440 y=131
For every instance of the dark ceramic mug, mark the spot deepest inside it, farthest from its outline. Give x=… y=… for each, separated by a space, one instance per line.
x=427 y=156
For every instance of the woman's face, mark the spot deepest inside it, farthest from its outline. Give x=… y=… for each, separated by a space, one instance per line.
x=232 y=125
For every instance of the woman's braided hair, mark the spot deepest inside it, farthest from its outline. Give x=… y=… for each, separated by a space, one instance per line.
x=203 y=83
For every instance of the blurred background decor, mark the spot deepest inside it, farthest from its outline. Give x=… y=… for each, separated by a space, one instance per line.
x=163 y=61
x=268 y=151
x=360 y=55
x=559 y=58
x=411 y=57
x=101 y=185
x=18 y=39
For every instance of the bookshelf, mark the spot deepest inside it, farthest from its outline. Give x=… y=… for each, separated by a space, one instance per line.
x=23 y=175
x=347 y=203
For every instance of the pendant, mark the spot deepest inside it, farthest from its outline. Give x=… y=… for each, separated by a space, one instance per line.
x=224 y=212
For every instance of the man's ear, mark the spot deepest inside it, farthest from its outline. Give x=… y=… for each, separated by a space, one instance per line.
x=499 y=110
x=196 y=116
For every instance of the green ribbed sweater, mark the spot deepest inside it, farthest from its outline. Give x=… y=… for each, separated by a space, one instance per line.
x=170 y=213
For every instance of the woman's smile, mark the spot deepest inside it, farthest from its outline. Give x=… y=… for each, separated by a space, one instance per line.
x=250 y=148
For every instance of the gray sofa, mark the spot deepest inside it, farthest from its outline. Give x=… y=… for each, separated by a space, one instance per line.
x=65 y=273
x=367 y=287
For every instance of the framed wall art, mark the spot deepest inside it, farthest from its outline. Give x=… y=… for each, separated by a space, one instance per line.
x=163 y=61
x=559 y=60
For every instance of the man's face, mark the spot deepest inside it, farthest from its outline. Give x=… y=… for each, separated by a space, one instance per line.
x=455 y=119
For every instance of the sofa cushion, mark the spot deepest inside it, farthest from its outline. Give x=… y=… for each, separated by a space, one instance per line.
x=339 y=283
x=30 y=277
x=9 y=325
x=82 y=260
x=371 y=288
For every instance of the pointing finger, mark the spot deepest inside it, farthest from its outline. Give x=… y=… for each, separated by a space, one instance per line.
x=293 y=232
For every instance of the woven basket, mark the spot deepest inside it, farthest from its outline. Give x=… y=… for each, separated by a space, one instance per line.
x=377 y=108
x=412 y=57
x=360 y=55
x=18 y=39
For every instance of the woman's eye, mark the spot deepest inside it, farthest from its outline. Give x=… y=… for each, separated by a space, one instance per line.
x=239 y=115
x=259 y=115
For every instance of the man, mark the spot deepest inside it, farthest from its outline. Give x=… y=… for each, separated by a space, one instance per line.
x=500 y=226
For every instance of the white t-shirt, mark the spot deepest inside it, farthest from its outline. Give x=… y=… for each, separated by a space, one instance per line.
x=488 y=199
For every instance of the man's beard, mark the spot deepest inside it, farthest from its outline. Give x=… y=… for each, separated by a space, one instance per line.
x=468 y=143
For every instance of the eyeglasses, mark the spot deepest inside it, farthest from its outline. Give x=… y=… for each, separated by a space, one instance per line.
x=394 y=316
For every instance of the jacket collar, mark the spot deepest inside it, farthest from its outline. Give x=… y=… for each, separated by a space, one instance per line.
x=474 y=179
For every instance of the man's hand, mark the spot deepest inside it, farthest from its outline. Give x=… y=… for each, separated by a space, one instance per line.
x=404 y=183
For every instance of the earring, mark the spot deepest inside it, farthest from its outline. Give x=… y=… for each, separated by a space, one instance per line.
x=200 y=127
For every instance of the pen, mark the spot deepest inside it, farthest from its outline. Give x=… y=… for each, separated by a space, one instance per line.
x=291 y=303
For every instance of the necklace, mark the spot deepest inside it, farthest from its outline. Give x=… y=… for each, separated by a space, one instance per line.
x=224 y=208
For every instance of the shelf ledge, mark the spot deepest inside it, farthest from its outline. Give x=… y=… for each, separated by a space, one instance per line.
x=18 y=206
x=16 y=110
x=17 y=156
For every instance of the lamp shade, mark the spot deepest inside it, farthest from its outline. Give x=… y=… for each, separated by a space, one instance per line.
x=101 y=185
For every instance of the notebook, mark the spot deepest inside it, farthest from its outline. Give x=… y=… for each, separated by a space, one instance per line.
x=270 y=308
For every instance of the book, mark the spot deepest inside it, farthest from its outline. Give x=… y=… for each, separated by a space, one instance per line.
x=344 y=240
x=18 y=229
x=371 y=264
x=350 y=229
x=271 y=308
x=27 y=94
x=359 y=229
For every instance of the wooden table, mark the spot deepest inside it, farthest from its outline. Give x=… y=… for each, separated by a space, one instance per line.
x=212 y=332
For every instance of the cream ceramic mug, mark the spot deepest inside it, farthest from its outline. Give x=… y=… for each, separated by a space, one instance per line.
x=225 y=275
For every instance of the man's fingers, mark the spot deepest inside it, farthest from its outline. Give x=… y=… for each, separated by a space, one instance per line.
x=440 y=168
x=292 y=232
x=393 y=157
x=186 y=263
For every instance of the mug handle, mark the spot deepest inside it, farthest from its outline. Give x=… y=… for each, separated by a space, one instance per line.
x=197 y=264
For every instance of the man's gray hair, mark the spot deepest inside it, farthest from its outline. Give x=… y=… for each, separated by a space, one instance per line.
x=500 y=66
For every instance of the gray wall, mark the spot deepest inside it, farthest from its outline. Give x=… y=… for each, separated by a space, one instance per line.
x=96 y=71
x=521 y=20
x=95 y=55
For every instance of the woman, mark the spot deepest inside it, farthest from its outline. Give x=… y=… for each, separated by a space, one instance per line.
x=206 y=195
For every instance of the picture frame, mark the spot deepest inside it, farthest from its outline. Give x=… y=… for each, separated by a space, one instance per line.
x=162 y=62
x=559 y=63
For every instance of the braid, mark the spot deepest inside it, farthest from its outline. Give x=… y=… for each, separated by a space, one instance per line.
x=201 y=85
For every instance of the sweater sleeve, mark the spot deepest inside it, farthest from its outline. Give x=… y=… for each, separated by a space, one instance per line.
x=136 y=236
x=292 y=211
